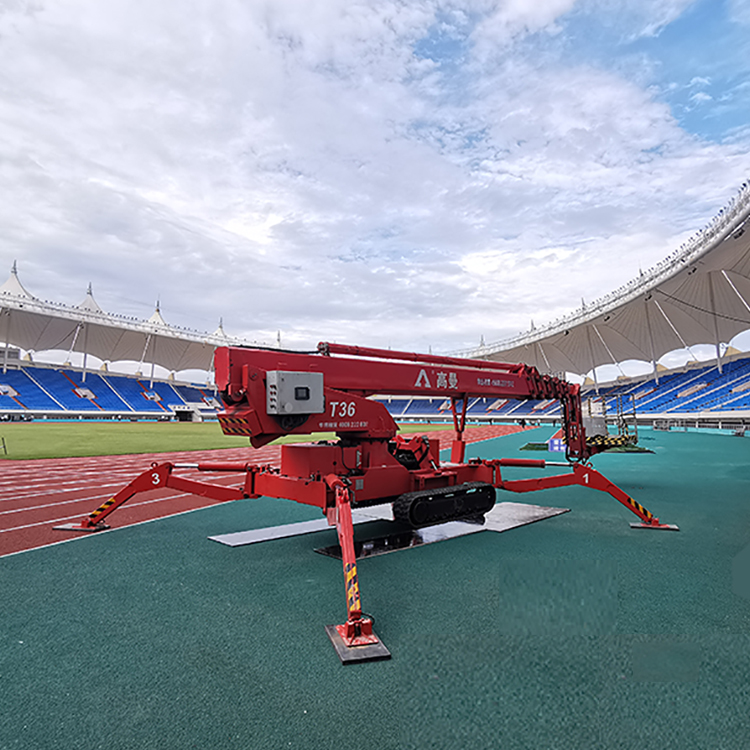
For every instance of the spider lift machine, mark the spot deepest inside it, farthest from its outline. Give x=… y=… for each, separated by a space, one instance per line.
x=270 y=393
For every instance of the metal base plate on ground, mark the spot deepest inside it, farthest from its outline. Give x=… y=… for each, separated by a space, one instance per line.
x=253 y=536
x=78 y=527
x=502 y=517
x=352 y=655
x=506 y=516
x=658 y=527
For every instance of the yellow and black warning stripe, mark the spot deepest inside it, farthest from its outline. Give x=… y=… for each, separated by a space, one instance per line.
x=638 y=508
x=609 y=441
x=226 y=419
x=352 y=587
x=102 y=508
x=236 y=430
x=234 y=425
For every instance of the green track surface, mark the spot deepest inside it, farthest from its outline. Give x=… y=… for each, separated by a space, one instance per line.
x=575 y=632
x=43 y=439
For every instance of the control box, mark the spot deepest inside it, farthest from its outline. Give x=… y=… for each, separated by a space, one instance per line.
x=294 y=392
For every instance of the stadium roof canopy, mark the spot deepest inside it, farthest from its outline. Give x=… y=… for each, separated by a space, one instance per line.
x=39 y=326
x=700 y=294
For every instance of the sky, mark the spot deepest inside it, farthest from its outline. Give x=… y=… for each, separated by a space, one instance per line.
x=417 y=175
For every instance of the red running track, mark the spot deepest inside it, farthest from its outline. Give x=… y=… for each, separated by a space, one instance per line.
x=36 y=495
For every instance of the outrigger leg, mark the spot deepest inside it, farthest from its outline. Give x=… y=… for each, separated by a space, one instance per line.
x=584 y=476
x=158 y=477
x=354 y=641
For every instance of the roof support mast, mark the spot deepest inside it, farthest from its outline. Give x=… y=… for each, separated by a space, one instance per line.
x=69 y=359
x=672 y=326
x=544 y=356
x=593 y=360
x=143 y=356
x=85 y=349
x=609 y=351
x=651 y=338
x=153 y=364
x=716 y=320
x=7 y=339
x=736 y=291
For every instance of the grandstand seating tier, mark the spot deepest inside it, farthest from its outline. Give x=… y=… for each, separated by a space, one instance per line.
x=699 y=388
x=62 y=390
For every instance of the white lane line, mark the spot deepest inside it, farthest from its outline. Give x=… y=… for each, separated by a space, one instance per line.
x=84 y=499
x=37 y=477
x=78 y=515
x=37 y=483
x=54 y=505
x=54 y=490
x=76 y=537
x=146 y=459
x=10 y=475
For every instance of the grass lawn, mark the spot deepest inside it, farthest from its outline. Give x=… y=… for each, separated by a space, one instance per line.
x=44 y=439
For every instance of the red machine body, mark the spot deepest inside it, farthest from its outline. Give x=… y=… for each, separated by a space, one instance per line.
x=272 y=393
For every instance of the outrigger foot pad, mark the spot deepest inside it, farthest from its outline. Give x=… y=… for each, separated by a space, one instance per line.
x=662 y=526
x=351 y=654
x=80 y=527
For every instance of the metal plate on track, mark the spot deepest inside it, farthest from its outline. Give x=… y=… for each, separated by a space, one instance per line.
x=502 y=517
x=253 y=536
x=506 y=516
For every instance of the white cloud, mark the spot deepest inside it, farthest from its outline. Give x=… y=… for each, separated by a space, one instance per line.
x=639 y=18
x=300 y=167
x=508 y=19
x=739 y=11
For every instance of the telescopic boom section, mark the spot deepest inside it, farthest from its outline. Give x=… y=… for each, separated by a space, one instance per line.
x=528 y=383
x=344 y=381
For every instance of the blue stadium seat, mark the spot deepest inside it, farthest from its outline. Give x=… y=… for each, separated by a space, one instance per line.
x=29 y=395
x=140 y=396
x=66 y=389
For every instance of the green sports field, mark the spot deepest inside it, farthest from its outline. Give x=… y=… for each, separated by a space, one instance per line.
x=46 y=439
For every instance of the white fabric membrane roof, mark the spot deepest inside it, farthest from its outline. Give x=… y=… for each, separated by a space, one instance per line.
x=39 y=326
x=700 y=294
